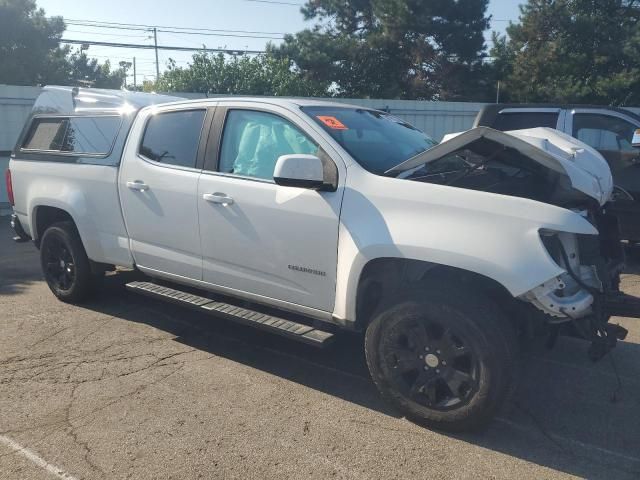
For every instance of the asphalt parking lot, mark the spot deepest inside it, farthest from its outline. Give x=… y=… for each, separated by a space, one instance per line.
x=126 y=387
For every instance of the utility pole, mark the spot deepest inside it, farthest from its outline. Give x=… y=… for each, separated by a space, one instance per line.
x=135 y=82
x=155 y=41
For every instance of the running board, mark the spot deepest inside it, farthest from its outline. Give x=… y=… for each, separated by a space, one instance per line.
x=293 y=330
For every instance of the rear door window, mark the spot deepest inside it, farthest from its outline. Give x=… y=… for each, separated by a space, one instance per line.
x=172 y=138
x=73 y=135
x=506 y=121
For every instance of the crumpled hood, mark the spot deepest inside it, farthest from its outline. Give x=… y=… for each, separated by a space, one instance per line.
x=587 y=170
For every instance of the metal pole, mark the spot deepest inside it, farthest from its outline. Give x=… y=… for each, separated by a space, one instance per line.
x=135 y=79
x=155 y=41
x=498 y=93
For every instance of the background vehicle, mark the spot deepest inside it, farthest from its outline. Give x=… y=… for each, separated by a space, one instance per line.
x=302 y=218
x=607 y=129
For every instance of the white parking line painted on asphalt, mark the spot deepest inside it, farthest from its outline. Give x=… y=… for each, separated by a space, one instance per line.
x=35 y=458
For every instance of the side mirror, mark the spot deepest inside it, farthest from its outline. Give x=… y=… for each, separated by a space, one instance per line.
x=635 y=141
x=299 y=170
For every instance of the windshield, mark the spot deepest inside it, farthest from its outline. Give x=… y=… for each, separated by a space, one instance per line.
x=376 y=140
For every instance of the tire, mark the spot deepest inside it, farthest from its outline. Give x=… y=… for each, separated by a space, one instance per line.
x=65 y=264
x=444 y=357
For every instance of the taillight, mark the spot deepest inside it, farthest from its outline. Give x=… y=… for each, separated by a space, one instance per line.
x=7 y=178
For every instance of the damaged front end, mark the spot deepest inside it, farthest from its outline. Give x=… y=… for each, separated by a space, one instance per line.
x=581 y=300
x=569 y=294
x=547 y=166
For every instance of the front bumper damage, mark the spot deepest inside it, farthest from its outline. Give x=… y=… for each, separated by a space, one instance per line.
x=550 y=299
x=587 y=295
x=586 y=314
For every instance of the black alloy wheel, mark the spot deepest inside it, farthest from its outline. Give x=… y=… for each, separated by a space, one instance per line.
x=60 y=269
x=443 y=355
x=65 y=264
x=430 y=364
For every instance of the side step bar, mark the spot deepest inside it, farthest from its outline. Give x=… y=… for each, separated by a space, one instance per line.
x=287 y=328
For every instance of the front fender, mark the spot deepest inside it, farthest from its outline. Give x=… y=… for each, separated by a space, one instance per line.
x=496 y=236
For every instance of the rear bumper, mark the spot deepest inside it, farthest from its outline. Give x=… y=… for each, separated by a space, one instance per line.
x=17 y=228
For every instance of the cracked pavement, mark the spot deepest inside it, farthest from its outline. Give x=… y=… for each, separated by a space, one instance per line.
x=127 y=387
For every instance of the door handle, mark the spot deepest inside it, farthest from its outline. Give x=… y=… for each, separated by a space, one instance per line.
x=138 y=185
x=219 y=198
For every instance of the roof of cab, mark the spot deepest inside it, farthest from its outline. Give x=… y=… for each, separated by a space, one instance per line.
x=286 y=102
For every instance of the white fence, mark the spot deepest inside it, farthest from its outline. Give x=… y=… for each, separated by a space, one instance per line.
x=15 y=105
x=434 y=118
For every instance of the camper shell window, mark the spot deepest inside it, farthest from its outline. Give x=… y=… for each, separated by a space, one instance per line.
x=69 y=135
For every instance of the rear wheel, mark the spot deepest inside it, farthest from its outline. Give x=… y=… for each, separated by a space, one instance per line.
x=443 y=359
x=65 y=264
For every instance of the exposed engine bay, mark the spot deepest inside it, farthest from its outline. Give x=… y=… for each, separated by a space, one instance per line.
x=491 y=167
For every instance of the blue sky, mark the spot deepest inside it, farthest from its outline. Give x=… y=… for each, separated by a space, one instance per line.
x=246 y=15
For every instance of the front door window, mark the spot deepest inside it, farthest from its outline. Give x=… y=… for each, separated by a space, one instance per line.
x=253 y=141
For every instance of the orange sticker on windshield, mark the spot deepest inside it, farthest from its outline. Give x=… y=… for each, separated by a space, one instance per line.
x=332 y=122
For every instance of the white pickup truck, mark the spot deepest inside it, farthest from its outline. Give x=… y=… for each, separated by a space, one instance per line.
x=303 y=218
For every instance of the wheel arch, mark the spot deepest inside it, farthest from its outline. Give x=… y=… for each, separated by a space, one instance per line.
x=43 y=216
x=381 y=278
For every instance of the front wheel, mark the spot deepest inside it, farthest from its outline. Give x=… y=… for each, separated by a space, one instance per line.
x=443 y=358
x=65 y=264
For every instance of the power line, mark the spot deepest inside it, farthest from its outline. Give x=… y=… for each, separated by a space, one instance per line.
x=275 y=2
x=253 y=34
x=241 y=34
x=229 y=51
x=96 y=25
x=142 y=26
x=107 y=34
x=220 y=34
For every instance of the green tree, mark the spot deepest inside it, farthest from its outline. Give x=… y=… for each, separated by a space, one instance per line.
x=30 y=52
x=75 y=68
x=238 y=75
x=393 y=48
x=584 y=51
x=28 y=42
x=85 y=71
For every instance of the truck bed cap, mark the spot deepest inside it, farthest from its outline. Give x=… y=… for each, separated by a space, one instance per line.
x=75 y=100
